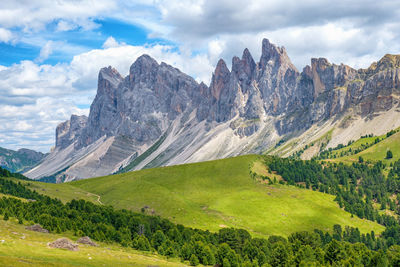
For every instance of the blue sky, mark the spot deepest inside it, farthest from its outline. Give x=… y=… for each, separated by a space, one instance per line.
x=51 y=51
x=76 y=40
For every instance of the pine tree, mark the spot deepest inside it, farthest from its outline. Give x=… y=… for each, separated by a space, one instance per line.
x=194 y=260
x=226 y=263
x=143 y=243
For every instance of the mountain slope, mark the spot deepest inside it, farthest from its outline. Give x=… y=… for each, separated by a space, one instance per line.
x=158 y=116
x=20 y=160
x=212 y=195
x=373 y=150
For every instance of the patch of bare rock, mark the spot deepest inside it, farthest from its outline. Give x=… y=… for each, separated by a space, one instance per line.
x=87 y=241
x=64 y=243
x=36 y=228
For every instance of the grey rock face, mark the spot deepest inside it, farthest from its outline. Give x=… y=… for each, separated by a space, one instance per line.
x=277 y=79
x=69 y=131
x=140 y=106
x=150 y=98
x=103 y=118
x=253 y=100
x=252 y=89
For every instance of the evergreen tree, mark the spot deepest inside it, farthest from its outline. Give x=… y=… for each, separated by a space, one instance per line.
x=143 y=243
x=194 y=261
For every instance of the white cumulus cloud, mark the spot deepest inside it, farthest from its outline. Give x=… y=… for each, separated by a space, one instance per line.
x=6 y=36
x=111 y=42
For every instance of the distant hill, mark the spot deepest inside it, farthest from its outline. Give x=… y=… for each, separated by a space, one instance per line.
x=20 y=160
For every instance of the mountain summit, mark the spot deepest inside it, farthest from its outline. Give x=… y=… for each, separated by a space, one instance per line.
x=159 y=116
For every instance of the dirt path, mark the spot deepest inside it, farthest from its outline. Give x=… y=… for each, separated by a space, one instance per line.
x=98 y=197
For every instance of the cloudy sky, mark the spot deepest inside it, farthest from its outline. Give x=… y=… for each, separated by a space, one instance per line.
x=51 y=51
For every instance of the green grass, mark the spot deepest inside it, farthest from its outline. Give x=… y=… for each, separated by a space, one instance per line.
x=215 y=194
x=26 y=248
x=356 y=145
x=64 y=192
x=374 y=153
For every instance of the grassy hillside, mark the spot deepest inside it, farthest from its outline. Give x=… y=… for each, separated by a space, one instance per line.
x=373 y=153
x=20 y=247
x=65 y=191
x=214 y=194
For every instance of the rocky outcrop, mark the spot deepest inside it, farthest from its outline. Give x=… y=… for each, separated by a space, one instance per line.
x=64 y=243
x=87 y=241
x=158 y=115
x=69 y=131
x=37 y=228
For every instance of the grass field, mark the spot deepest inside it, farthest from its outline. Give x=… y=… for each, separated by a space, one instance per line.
x=64 y=191
x=20 y=247
x=375 y=152
x=354 y=146
x=215 y=194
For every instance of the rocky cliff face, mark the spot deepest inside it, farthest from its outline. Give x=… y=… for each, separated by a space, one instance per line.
x=141 y=106
x=68 y=131
x=158 y=115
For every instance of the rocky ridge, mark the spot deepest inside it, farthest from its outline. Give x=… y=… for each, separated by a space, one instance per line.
x=158 y=115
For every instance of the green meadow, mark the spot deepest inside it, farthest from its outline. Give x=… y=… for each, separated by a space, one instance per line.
x=374 y=153
x=212 y=195
x=20 y=247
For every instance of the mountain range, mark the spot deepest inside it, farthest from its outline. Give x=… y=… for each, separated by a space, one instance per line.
x=158 y=116
x=21 y=160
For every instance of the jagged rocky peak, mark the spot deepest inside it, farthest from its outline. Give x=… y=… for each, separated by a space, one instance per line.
x=220 y=79
x=274 y=55
x=143 y=69
x=110 y=74
x=68 y=131
x=144 y=103
x=244 y=68
x=103 y=111
x=108 y=81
